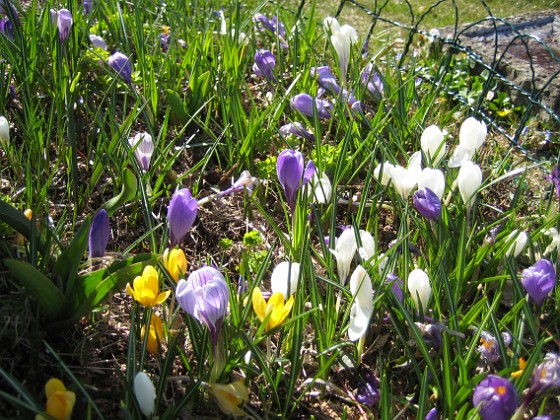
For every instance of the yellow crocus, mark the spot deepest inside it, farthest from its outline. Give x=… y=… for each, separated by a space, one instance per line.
x=175 y=262
x=229 y=396
x=60 y=402
x=522 y=364
x=155 y=334
x=146 y=288
x=275 y=306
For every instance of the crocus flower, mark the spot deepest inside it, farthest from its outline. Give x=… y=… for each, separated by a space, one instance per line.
x=372 y=81
x=546 y=375
x=342 y=38
x=4 y=131
x=7 y=28
x=275 y=309
x=368 y=390
x=555 y=179
x=292 y=174
x=175 y=262
x=272 y=26
x=99 y=234
x=306 y=104
x=469 y=181
x=155 y=334
x=434 y=179
x=97 y=41
x=87 y=6
x=205 y=296
x=344 y=253
x=264 y=65
x=432 y=414
x=432 y=333
x=427 y=203
x=539 y=280
x=181 y=214
x=60 y=401
x=396 y=285
x=284 y=278
x=419 y=288
x=489 y=349
x=64 y=21
x=297 y=129
x=495 y=398
x=146 y=288
x=244 y=182
x=555 y=244
x=230 y=396
x=143 y=146
x=145 y=393
x=321 y=188
x=362 y=307
x=121 y=64
x=367 y=250
x=433 y=144
x=471 y=137
x=518 y=240
x=326 y=79
x=382 y=173
x=404 y=179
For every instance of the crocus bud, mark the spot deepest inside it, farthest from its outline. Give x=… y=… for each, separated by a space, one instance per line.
x=272 y=26
x=60 y=401
x=4 y=131
x=396 y=286
x=432 y=414
x=372 y=81
x=121 y=64
x=145 y=393
x=175 y=262
x=434 y=179
x=143 y=146
x=297 y=129
x=7 y=28
x=404 y=179
x=264 y=65
x=306 y=104
x=419 y=288
x=433 y=144
x=469 y=181
x=205 y=296
x=495 y=398
x=181 y=214
x=321 y=188
x=284 y=278
x=155 y=334
x=98 y=42
x=427 y=203
x=344 y=253
x=383 y=173
x=367 y=250
x=342 y=38
x=292 y=174
x=230 y=396
x=64 y=22
x=518 y=240
x=326 y=79
x=539 y=280
x=362 y=307
x=99 y=234
x=471 y=137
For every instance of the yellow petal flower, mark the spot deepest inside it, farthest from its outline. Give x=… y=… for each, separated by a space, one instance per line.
x=60 y=402
x=155 y=334
x=146 y=288
x=175 y=262
x=229 y=396
x=522 y=364
x=259 y=305
x=275 y=306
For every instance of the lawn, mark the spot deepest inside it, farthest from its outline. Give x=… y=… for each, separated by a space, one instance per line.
x=226 y=209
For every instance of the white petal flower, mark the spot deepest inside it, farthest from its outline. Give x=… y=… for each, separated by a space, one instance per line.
x=145 y=393
x=383 y=173
x=342 y=38
x=472 y=134
x=344 y=253
x=367 y=250
x=469 y=181
x=518 y=241
x=432 y=179
x=320 y=188
x=419 y=288
x=285 y=278
x=4 y=131
x=460 y=156
x=362 y=308
x=433 y=144
x=555 y=244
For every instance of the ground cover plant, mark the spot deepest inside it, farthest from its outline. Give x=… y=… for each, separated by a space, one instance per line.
x=221 y=209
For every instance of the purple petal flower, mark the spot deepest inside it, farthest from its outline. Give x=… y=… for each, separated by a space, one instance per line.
x=326 y=79
x=181 y=213
x=265 y=62
x=296 y=129
x=7 y=28
x=372 y=81
x=427 y=203
x=164 y=42
x=539 y=280
x=205 y=296
x=368 y=390
x=97 y=41
x=432 y=414
x=121 y=64
x=272 y=26
x=63 y=22
x=306 y=104
x=546 y=375
x=99 y=234
x=291 y=173
x=495 y=398
x=143 y=146
x=244 y=182
x=396 y=286
x=489 y=349
x=87 y=6
x=555 y=179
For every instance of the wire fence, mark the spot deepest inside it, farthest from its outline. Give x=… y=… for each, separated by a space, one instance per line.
x=520 y=54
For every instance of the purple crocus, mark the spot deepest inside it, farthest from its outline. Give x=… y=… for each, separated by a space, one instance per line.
x=372 y=81
x=297 y=129
x=495 y=398
x=99 y=234
x=489 y=349
x=264 y=65
x=427 y=203
x=306 y=104
x=539 y=280
x=97 y=41
x=205 y=296
x=181 y=213
x=326 y=79
x=292 y=174
x=368 y=390
x=63 y=19
x=87 y=6
x=555 y=179
x=143 y=146
x=121 y=64
x=7 y=28
x=546 y=375
x=396 y=286
x=432 y=414
x=272 y=26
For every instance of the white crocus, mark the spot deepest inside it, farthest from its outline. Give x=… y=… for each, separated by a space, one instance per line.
x=383 y=173
x=342 y=38
x=432 y=179
x=145 y=393
x=518 y=241
x=419 y=288
x=143 y=146
x=362 y=307
x=405 y=179
x=367 y=250
x=285 y=278
x=471 y=137
x=555 y=244
x=433 y=144
x=4 y=132
x=320 y=189
x=469 y=181
x=344 y=253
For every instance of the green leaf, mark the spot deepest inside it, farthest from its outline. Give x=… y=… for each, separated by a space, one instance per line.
x=128 y=192
x=49 y=297
x=17 y=220
x=177 y=106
